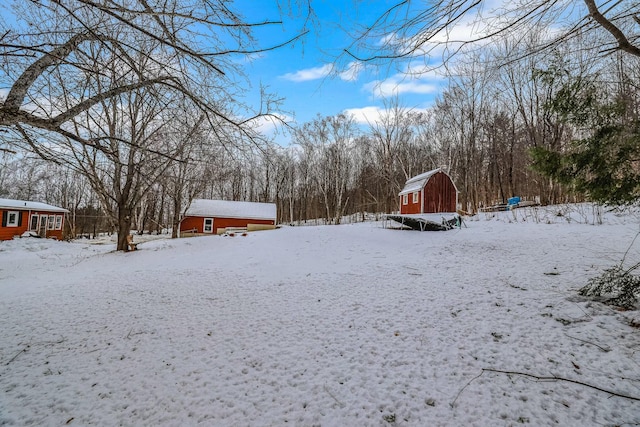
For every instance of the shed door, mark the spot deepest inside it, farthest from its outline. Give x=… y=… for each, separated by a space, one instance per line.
x=208 y=225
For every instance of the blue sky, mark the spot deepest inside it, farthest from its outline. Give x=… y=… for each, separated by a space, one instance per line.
x=304 y=73
x=306 y=76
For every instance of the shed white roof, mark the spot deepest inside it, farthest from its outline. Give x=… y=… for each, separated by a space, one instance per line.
x=24 y=205
x=230 y=209
x=417 y=182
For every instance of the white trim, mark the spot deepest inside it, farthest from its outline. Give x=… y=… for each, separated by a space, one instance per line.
x=204 y=225
x=51 y=222
x=16 y=218
x=415 y=197
x=405 y=199
x=58 y=222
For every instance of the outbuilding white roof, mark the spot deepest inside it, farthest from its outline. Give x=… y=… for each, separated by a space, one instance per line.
x=231 y=209
x=418 y=182
x=24 y=205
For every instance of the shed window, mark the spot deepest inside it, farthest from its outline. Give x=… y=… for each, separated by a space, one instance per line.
x=405 y=199
x=58 y=222
x=13 y=217
x=50 y=222
x=415 y=197
x=208 y=225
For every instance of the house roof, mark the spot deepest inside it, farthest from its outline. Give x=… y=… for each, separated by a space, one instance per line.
x=418 y=182
x=231 y=209
x=24 y=205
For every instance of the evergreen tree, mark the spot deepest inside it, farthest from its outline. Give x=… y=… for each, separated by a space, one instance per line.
x=604 y=162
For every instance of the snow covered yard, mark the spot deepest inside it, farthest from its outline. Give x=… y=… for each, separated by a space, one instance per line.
x=328 y=325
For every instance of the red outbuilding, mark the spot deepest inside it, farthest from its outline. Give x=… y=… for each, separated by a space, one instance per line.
x=34 y=218
x=429 y=192
x=211 y=216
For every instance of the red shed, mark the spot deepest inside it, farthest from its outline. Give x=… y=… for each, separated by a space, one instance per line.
x=209 y=216
x=429 y=192
x=19 y=216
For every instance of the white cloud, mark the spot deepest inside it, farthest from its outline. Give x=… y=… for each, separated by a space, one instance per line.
x=309 y=74
x=390 y=38
x=392 y=87
x=403 y=84
x=372 y=114
x=352 y=72
x=365 y=115
x=270 y=125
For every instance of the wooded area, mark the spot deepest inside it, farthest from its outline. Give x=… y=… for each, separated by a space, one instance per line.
x=92 y=123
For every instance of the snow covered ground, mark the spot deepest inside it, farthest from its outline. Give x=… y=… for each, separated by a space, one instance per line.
x=332 y=325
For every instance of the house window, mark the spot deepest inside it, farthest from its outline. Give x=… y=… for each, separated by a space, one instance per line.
x=405 y=199
x=58 y=222
x=50 y=222
x=13 y=217
x=415 y=197
x=208 y=225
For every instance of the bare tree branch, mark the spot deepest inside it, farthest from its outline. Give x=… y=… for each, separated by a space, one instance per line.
x=554 y=378
x=28 y=77
x=407 y=31
x=623 y=42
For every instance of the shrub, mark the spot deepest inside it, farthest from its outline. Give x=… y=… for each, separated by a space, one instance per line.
x=615 y=286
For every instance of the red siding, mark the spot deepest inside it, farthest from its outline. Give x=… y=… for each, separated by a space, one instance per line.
x=440 y=194
x=197 y=223
x=410 y=207
x=192 y=223
x=8 y=233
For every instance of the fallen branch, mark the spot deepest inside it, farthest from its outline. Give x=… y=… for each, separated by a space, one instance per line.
x=453 y=403
x=606 y=350
x=60 y=341
x=24 y=350
x=342 y=405
x=28 y=346
x=539 y=378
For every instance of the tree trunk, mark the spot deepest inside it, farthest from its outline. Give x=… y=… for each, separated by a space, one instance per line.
x=175 y=223
x=124 y=227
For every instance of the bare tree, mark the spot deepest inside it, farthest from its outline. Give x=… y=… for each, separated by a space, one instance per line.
x=463 y=110
x=130 y=149
x=87 y=81
x=195 y=42
x=183 y=178
x=391 y=135
x=429 y=30
x=326 y=144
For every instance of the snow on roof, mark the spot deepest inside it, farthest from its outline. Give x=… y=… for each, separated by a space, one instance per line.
x=231 y=209
x=26 y=205
x=417 y=182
